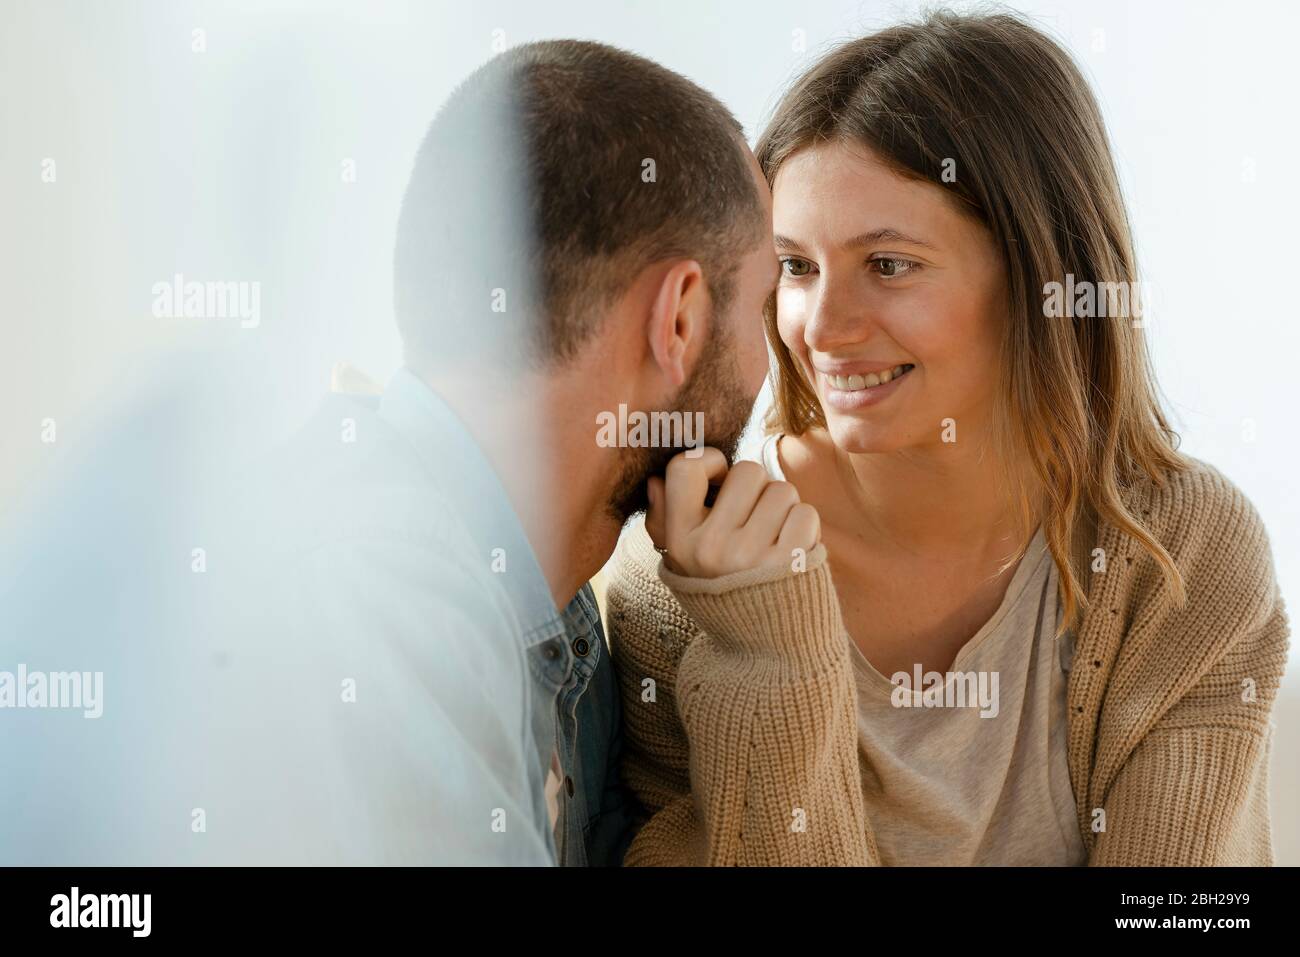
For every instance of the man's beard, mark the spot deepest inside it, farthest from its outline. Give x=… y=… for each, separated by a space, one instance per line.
x=714 y=389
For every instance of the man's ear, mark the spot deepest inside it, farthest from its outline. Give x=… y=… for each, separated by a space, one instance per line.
x=677 y=314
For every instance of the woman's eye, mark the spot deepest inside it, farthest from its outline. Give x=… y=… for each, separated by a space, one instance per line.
x=796 y=268
x=891 y=268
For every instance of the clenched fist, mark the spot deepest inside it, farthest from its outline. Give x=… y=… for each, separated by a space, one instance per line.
x=754 y=522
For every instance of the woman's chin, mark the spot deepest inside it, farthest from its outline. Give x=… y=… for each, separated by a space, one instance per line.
x=857 y=437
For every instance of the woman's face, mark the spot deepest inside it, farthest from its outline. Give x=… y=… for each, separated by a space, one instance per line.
x=879 y=272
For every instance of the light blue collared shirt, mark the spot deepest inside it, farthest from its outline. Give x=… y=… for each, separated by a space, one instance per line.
x=349 y=680
x=572 y=698
x=472 y=491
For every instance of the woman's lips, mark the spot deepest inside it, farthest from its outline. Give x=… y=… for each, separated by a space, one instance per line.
x=849 y=399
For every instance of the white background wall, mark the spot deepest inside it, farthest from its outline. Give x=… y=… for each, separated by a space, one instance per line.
x=226 y=164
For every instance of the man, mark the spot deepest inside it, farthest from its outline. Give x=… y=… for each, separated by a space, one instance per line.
x=383 y=648
x=584 y=232
x=617 y=204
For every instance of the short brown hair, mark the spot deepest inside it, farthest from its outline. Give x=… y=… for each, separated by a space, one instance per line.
x=1008 y=106
x=564 y=167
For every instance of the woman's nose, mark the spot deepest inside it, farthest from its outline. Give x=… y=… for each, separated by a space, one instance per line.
x=837 y=315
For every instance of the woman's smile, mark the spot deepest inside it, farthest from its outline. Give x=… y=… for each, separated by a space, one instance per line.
x=846 y=393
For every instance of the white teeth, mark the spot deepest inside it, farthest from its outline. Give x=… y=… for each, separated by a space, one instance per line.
x=856 y=383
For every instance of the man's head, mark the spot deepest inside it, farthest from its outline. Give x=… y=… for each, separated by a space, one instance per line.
x=573 y=203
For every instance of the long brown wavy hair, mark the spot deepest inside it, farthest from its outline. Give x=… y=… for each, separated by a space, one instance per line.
x=1033 y=165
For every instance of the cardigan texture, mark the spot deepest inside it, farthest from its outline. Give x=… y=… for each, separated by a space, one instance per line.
x=740 y=711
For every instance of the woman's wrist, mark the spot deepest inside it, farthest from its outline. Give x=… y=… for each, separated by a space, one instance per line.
x=787 y=611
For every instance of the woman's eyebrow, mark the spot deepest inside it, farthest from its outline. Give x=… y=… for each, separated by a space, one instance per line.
x=885 y=234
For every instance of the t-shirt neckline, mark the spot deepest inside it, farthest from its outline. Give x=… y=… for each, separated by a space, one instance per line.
x=1025 y=570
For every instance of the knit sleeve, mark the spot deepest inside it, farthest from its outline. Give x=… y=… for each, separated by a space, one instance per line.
x=1194 y=792
x=1194 y=789
x=740 y=714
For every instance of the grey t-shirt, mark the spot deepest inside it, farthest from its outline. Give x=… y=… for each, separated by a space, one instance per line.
x=969 y=767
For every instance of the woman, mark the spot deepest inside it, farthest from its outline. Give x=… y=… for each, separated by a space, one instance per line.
x=992 y=503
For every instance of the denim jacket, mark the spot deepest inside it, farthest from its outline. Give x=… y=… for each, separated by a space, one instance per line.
x=596 y=810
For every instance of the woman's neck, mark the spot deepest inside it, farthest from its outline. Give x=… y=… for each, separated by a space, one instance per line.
x=945 y=499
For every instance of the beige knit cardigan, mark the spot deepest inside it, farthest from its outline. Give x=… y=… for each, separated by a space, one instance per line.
x=740 y=706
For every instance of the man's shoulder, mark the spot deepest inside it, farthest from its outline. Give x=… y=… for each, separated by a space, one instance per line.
x=347 y=475
x=346 y=511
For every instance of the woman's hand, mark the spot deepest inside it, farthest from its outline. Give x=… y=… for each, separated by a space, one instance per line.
x=754 y=522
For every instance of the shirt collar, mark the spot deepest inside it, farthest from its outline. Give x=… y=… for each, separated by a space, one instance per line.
x=452 y=456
